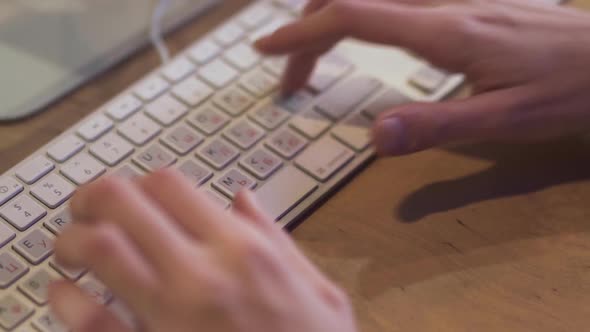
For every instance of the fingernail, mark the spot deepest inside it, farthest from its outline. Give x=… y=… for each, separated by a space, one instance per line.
x=390 y=137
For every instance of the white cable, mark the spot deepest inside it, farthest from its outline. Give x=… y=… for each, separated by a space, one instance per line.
x=156 y=34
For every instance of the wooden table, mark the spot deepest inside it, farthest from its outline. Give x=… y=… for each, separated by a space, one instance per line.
x=478 y=238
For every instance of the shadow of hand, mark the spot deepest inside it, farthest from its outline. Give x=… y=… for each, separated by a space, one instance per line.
x=519 y=169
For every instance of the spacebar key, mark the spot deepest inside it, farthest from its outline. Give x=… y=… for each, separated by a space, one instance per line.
x=284 y=192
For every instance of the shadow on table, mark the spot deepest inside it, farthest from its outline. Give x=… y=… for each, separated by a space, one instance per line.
x=399 y=256
x=519 y=169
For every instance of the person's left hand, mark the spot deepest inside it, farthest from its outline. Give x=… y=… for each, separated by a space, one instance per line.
x=181 y=263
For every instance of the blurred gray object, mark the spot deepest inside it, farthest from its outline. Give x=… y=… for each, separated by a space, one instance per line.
x=48 y=48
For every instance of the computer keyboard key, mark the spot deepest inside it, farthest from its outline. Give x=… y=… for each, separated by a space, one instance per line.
x=111 y=149
x=95 y=127
x=218 y=154
x=284 y=191
x=47 y=322
x=13 y=312
x=275 y=65
x=229 y=33
x=166 y=110
x=296 y=102
x=203 y=52
x=22 y=212
x=35 y=247
x=151 y=87
x=270 y=116
x=329 y=70
x=345 y=97
x=242 y=56
x=36 y=284
x=65 y=148
x=244 y=134
x=178 y=69
x=234 y=181
x=195 y=172
x=70 y=274
x=83 y=169
x=34 y=169
x=261 y=163
x=53 y=190
x=258 y=83
x=11 y=269
x=354 y=132
x=256 y=16
x=96 y=290
x=182 y=139
x=9 y=188
x=123 y=107
x=385 y=102
x=310 y=123
x=218 y=199
x=139 y=129
x=59 y=221
x=233 y=101
x=324 y=158
x=6 y=234
x=127 y=172
x=296 y=6
x=428 y=79
x=154 y=158
x=267 y=29
x=209 y=120
x=218 y=73
x=286 y=143
x=192 y=91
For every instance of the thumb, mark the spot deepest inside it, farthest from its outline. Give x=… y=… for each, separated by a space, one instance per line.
x=497 y=115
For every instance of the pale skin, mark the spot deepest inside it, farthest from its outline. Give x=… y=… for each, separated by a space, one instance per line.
x=180 y=263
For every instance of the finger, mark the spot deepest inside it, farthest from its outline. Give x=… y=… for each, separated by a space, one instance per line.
x=118 y=201
x=104 y=249
x=79 y=313
x=246 y=205
x=389 y=23
x=298 y=71
x=510 y=114
x=190 y=208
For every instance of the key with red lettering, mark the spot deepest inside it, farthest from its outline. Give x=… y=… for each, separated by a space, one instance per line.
x=96 y=290
x=233 y=182
x=209 y=120
x=218 y=154
x=13 y=312
x=35 y=247
x=10 y=269
x=261 y=163
x=286 y=143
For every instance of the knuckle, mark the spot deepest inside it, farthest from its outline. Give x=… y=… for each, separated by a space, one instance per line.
x=342 y=9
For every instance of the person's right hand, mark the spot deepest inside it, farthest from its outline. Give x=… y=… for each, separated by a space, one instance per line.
x=528 y=63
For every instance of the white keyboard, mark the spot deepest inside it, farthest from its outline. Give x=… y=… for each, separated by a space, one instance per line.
x=213 y=114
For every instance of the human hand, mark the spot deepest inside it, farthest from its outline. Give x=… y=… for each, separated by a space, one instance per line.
x=181 y=263
x=527 y=61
